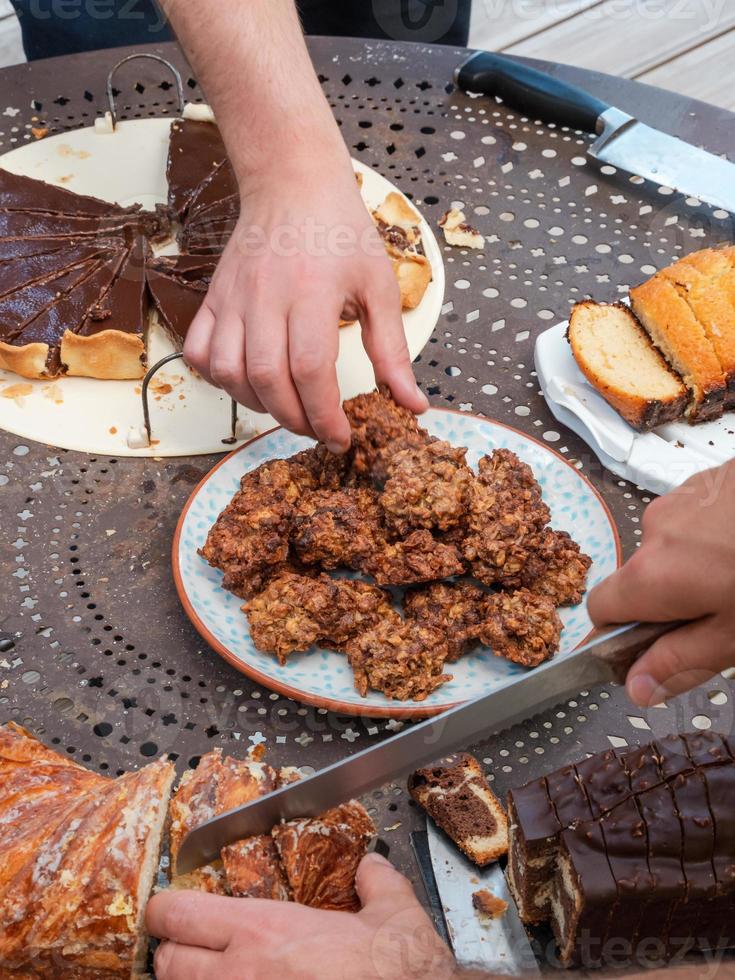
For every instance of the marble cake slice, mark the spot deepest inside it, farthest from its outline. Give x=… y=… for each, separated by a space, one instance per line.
x=459 y=800
x=533 y=829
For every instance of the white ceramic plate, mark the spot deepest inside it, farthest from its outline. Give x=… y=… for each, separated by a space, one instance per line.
x=188 y=416
x=323 y=678
x=658 y=461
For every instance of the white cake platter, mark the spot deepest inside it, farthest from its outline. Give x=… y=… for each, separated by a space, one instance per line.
x=188 y=416
x=658 y=461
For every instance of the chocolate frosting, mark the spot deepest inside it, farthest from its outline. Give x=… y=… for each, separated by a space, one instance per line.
x=195 y=150
x=534 y=813
x=178 y=288
x=650 y=836
x=71 y=308
x=23 y=306
x=123 y=304
x=19 y=193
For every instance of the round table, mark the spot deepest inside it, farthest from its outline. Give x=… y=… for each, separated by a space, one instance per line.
x=96 y=654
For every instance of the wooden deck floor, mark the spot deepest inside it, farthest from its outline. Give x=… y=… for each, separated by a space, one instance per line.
x=683 y=45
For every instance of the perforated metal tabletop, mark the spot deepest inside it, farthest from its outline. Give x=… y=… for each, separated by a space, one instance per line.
x=96 y=654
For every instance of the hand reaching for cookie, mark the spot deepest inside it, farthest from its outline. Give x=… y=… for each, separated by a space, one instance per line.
x=238 y=938
x=305 y=253
x=683 y=570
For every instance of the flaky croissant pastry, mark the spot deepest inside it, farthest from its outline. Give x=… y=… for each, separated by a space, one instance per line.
x=78 y=856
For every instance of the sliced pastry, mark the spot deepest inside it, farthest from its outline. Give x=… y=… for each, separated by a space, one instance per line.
x=80 y=853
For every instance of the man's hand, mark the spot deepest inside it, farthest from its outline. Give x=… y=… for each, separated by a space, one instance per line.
x=304 y=253
x=305 y=250
x=683 y=570
x=253 y=939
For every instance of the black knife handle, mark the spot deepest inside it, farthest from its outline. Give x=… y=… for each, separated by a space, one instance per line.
x=532 y=92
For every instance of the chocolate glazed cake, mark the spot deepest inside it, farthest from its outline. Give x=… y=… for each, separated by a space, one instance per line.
x=72 y=282
x=630 y=857
x=77 y=273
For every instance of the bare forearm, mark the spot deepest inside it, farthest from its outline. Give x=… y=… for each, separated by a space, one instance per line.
x=252 y=63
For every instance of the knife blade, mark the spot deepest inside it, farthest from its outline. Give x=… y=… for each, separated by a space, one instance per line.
x=623 y=141
x=606 y=657
x=499 y=946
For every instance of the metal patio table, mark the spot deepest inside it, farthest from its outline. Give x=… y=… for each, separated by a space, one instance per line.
x=96 y=654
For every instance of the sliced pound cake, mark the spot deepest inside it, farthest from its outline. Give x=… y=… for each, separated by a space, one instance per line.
x=674 y=328
x=459 y=800
x=618 y=359
x=707 y=286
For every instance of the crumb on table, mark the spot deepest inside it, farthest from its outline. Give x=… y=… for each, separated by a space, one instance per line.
x=488 y=905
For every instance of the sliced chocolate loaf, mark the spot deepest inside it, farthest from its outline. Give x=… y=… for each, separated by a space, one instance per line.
x=630 y=856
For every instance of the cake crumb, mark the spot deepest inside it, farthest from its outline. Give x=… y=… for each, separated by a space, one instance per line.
x=487 y=905
x=458 y=232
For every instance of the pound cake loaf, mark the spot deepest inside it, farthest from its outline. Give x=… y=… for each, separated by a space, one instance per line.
x=618 y=359
x=630 y=857
x=457 y=797
x=706 y=282
x=80 y=854
x=674 y=328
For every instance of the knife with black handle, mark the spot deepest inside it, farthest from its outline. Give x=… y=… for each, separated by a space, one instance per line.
x=623 y=141
x=530 y=91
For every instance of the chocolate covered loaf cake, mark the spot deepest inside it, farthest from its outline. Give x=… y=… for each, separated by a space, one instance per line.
x=630 y=856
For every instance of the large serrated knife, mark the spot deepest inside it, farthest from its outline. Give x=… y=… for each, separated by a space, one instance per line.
x=604 y=658
x=623 y=141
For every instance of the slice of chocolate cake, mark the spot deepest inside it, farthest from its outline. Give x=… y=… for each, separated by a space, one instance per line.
x=178 y=286
x=533 y=847
x=109 y=341
x=583 y=895
x=25 y=347
x=457 y=797
x=195 y=151
x=21 y=193
x=688 y=924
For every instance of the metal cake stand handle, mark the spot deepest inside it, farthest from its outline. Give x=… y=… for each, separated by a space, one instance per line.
x=141 y=441
x=151 y=57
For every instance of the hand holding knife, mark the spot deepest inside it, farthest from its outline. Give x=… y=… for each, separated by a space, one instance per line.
x=606 y=657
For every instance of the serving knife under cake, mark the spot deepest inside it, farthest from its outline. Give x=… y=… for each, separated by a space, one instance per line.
x=604 y=658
